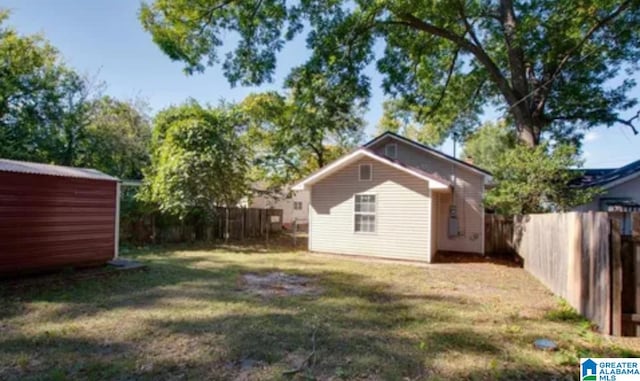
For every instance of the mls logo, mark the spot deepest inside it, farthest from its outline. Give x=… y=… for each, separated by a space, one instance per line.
x=588 y=370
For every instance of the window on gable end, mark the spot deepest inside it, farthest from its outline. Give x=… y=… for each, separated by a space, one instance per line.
x=390 y=150
x=366 y=172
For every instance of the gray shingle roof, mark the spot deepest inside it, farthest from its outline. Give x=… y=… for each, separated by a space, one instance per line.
x=417 y=170
x=426 y=148
x=604 y=176
x=52 y=170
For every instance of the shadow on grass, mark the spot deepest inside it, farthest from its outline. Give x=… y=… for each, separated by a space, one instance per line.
x=458 y=257
x=281 y=243
x=364 y=328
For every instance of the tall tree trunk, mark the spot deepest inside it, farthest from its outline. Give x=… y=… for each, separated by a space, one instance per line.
x=319 y=153
x=526 y=135
x=529 y=126
x=69 y=149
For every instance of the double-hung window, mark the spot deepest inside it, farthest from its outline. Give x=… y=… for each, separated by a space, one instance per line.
x=365 y=213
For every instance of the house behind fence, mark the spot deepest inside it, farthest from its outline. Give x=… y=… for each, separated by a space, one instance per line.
x=581 y=257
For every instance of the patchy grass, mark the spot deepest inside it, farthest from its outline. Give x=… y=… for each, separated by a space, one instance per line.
x=188 y=317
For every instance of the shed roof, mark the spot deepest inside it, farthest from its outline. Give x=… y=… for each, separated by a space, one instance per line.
x=27 y=167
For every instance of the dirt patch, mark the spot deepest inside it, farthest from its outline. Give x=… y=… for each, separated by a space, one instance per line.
x=278 y=284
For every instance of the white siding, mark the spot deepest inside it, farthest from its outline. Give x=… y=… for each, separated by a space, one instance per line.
x=468 y=193
x=402 y=214
x=630 y=189
x=286 y=204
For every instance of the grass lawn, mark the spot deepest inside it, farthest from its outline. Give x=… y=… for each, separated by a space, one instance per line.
x=190 y=317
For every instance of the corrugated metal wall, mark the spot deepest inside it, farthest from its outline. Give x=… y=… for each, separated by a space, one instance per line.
x=51 y=221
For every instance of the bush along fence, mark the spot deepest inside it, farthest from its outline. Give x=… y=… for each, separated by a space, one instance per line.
x=227 y=224
x=592 y=260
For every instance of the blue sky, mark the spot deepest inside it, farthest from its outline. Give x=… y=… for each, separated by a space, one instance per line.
x=103 y=38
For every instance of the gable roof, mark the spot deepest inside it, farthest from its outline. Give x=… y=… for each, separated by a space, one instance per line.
x=27 y=167
x=435 y=181
x=608 y=177
x=429 y=150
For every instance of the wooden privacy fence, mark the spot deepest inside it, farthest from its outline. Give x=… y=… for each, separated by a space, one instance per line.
x=582 y=257
x=498 y=233
x=626 y=275
x=229 y=223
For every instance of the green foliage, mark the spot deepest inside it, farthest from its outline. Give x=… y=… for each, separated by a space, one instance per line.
x=198 y=160
x=546 y=64
x=487 y=144
x=41 y=100
x=564 y=312
x=536 y=180
x=296 y=134
x=117 y=138
x=47 y=114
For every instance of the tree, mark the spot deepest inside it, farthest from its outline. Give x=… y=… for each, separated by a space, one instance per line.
x=117 y=137
x=42 y=102
x=546 y=64
x=70 y=117
x=300 y=132
x=486 y=146
x=536 y=180
x=198 y=160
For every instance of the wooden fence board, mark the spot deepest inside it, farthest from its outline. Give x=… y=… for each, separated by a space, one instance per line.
x=569 y=253
x=543 y=246
x=231 y=223
x=616 y=274
x=498 y=235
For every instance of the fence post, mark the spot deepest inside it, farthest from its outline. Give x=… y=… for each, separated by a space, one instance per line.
x=635 y=235
x=268 y=224
x=575 y=282
x=226 y=224
x=616 y=278
x=295 y=231
x=154 y=233
x=242 y=216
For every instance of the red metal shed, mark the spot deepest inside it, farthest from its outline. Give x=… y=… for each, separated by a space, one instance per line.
x=53 y=216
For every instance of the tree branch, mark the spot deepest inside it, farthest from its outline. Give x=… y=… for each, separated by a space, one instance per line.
x=208 y=18
x=446 y=84
x=629 y=122
x=319 y=154
x=515 y=53
x=468 y=27
x=463 y=43
x=598 y=25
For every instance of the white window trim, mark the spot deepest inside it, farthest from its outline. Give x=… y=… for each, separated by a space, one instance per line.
x=395 y=150
x=370 y=172
x=375 y=214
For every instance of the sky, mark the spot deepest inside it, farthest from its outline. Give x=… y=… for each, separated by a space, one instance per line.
x=104 y=39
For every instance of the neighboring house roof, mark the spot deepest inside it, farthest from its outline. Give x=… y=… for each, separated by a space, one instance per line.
x=435 y=181
x=16 y=166
x=608 y=177
x=429 y=150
